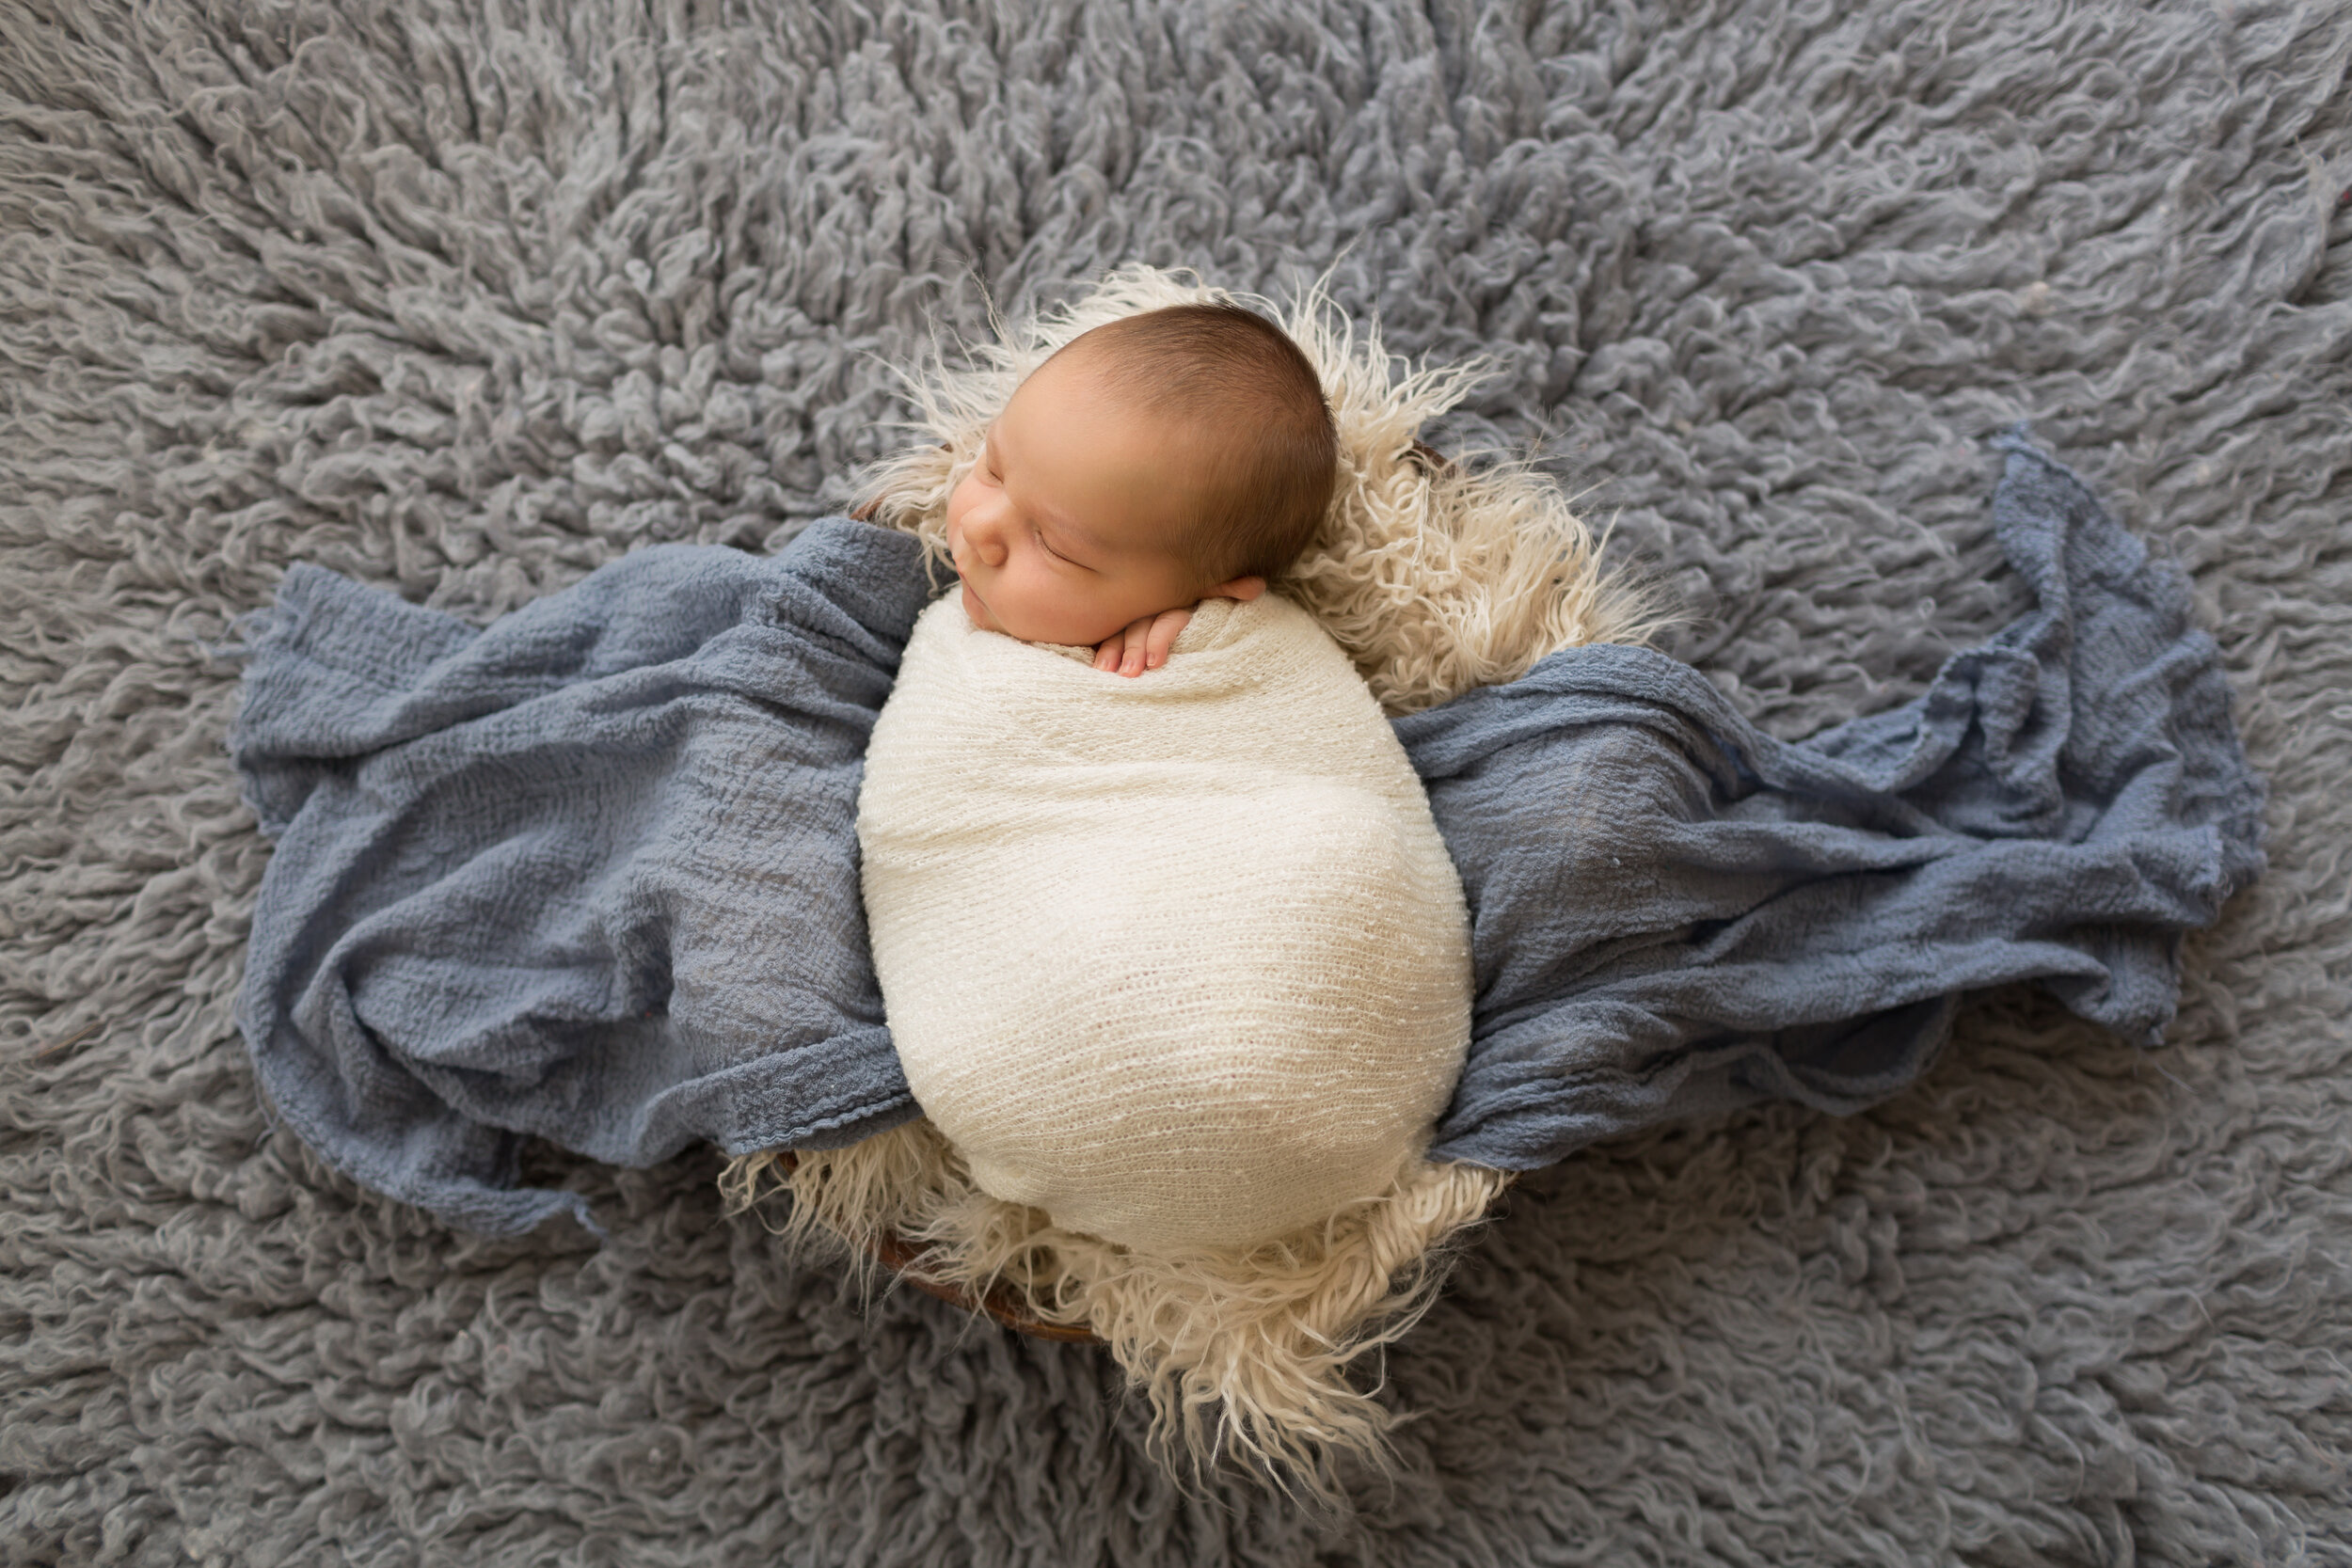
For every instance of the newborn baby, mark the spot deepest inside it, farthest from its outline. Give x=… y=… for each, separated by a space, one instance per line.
x=1167 y=458
x=1182 y=960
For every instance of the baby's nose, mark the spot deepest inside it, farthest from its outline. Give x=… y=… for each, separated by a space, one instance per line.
x=986 y=536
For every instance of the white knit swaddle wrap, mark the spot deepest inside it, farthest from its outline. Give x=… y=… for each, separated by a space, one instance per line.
x=1181 y=960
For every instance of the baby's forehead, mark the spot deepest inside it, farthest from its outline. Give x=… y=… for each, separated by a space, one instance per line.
x=1137 y=387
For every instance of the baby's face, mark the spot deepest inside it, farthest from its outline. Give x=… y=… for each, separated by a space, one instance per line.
x=1059 y=529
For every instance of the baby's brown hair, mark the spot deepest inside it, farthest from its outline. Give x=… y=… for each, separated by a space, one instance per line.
x=1236 y=377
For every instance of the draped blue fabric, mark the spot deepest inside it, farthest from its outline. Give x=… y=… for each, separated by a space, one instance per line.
x=591 y=874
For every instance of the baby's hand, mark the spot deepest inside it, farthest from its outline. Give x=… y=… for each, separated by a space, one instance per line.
x=1141 y=646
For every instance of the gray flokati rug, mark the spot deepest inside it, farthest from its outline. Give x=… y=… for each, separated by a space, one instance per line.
x=468 y=298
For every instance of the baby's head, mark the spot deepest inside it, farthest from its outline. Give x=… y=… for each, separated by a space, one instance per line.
x=1165 y=458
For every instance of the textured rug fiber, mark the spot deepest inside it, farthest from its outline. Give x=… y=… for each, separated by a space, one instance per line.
x=464 y=299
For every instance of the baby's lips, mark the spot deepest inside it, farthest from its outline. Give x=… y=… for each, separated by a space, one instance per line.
x=974 y=607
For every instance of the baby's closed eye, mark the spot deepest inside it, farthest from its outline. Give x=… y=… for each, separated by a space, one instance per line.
x=1046 y=545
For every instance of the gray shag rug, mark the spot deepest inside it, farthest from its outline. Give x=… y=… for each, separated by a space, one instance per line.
x=467 y=298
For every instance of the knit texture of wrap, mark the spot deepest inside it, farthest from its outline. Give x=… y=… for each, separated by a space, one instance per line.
x=1180 y=959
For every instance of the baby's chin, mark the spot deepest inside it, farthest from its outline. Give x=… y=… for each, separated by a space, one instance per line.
x=976 y=610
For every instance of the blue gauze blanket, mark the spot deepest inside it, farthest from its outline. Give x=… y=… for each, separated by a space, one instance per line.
x=590 y=874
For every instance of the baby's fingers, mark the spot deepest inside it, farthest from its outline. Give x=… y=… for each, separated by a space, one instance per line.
x=1132 y=660
x=1122 y=652
x=1141 y=646
x=1165 y=627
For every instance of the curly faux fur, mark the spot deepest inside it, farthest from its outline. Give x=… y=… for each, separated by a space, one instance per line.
x=1244 y=1353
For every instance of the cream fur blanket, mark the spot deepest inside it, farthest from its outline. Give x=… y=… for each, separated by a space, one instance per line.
x=1180 y=960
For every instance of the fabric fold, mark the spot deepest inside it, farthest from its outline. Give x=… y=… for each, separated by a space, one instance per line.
x=588 y=875
x=1675 y=913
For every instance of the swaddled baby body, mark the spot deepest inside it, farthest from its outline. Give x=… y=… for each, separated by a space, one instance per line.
x=1181 y=961
x=1180 y=958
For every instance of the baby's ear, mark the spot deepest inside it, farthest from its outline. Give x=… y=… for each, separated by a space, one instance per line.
x=1243 y=588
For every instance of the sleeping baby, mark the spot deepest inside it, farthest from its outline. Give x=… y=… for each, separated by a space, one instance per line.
x=1174 y=959
x=1165 y=458
x=1181 y=960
